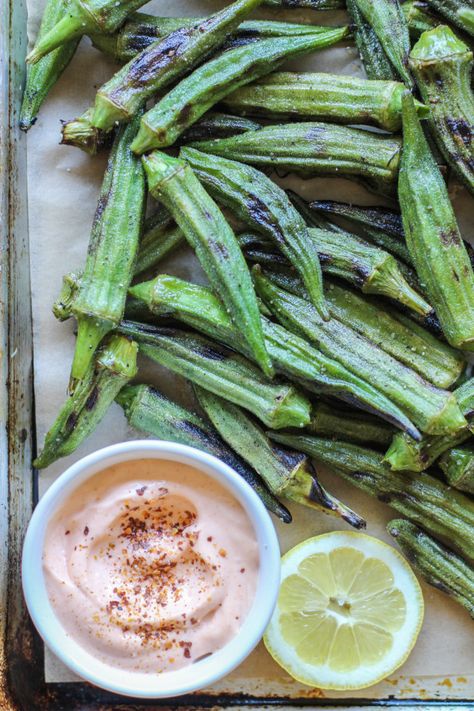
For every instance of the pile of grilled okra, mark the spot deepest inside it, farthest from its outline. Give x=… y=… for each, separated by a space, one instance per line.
x=314 y=342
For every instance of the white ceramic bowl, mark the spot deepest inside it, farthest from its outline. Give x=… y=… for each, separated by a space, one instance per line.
x=141 y=685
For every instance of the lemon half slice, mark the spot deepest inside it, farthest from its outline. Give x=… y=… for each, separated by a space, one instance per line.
x=348 y=613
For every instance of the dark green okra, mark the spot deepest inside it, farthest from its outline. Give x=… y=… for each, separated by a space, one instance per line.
x=163 y=62
x=458 y=467
x=223 y=372
x=376 y=63
x=81 y=17
x=113 y=366
x=161 y=236
x=432 y=410
x=212 y=81
x=263 y=205
x=147 y=410
x=432 y=234
x=316 y=148
x=323 y=97
x=287 y=474
x=173 y=183
x=218 y=125
x=437 y=564
x=442 y=65
x=311 y=4
x=459 y=12
x=351 y=426
x=100 y=300
x=43 y=76
x=422 y=498
x=418 y=17
x=292 y=356
x=389 y=24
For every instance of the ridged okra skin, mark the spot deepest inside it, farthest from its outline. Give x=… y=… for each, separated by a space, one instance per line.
x=148 y=410
x=100 y=301
x=113 y=367
x=173 y=182
x=316 y=148
x=288 y=474
x=161 y=236
x=81 y=18
x=459 y=12
x=432 y=235
x=458 y=467
x=438 y=565
x=162 y=125
x=264 y=206
x=220 y=370
x=418 y=17
x=310 y=4
x=389 y=24
x=431 y=409
x=216 y=124
x=41 y=77
x=323 y=97
x=162 y=62
x=376 y=63
x=351 y=426
x=422 y=498
x=292 y=356
x=442 y=65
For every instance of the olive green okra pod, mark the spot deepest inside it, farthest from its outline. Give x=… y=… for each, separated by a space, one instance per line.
x=432 y=234
x=112 y=368
x=288 y=474
x=422 y=498
x=148 y=410
x=438 y=565
x=376 y=63
x=458 y=467
x=442 y=65
x=215 y=124
x=212 y=81
x=459 y=12
x=418 y=17
x=161 y=236
x=173 y=183
x=352 y=426
x=80 y=132
x=100 y=300
x=263 y=205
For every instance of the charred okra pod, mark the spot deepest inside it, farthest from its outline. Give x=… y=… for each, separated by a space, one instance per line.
x=376 y=63
x=173 y=182
x=218 y=125
x=292 y=356
x=316 y=148
x=349 y=426
x=41 y=78
x=100 y=301
x=437 y=564
x=323 y=97
x=459 y=12
x=433 y=410
x=422 y=498
x=161 y=235
x=458 y=467
x=212 y=81
x=432 y=234
x=263 y=205
x=112 y=368
x=418 y=17
x=442 y=66
x=311 y=4
x=147 y=410
x=82 y=134
x=221 y=371
x=287 y=474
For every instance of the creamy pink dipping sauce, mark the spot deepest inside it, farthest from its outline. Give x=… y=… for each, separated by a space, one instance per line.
x=150 y=565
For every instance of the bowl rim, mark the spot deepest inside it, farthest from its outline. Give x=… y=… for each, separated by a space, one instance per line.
x=143 y=685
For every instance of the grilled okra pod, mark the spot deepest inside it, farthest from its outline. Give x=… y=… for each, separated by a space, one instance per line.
x=173 y=182
x=316 y=148
x=292 y=356
x=80 y=17
x=163 y=62
x=212 y=81
x=418 y=17
x=112 y=368
x=459 y=12
x=323 y=97
x=442 y=65
x=218 y=125
x=43 y=76
x=350 y=426
x=458 y=467
x=376 y=63
x=100 y=300
x=422 y=498
x=263 y=205
x=311 y=4
x=433 y=410
x=80 y=132
x=147 y=410
x=432 y=234
x=161 y=236
x=221 y=371
x=287 y=474
x=437 y=564
x=404 y=454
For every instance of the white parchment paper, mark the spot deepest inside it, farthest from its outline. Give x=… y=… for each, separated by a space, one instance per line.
x=63 y=185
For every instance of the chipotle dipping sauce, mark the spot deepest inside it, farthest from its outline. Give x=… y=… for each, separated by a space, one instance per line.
x=151 y=565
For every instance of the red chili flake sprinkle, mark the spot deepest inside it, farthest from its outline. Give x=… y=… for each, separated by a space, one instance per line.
x=86 y=531
x=209 y=538
x=67 y=533
x=242 y=570
x=222 y=552
x=187 y=653
x=141 y=490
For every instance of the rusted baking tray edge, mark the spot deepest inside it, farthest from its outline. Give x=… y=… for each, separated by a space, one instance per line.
x=22 y=683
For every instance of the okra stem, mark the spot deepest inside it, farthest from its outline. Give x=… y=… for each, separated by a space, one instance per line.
x=458 y=467
x=328 y=421
x=459 y=12
x=82 y=134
